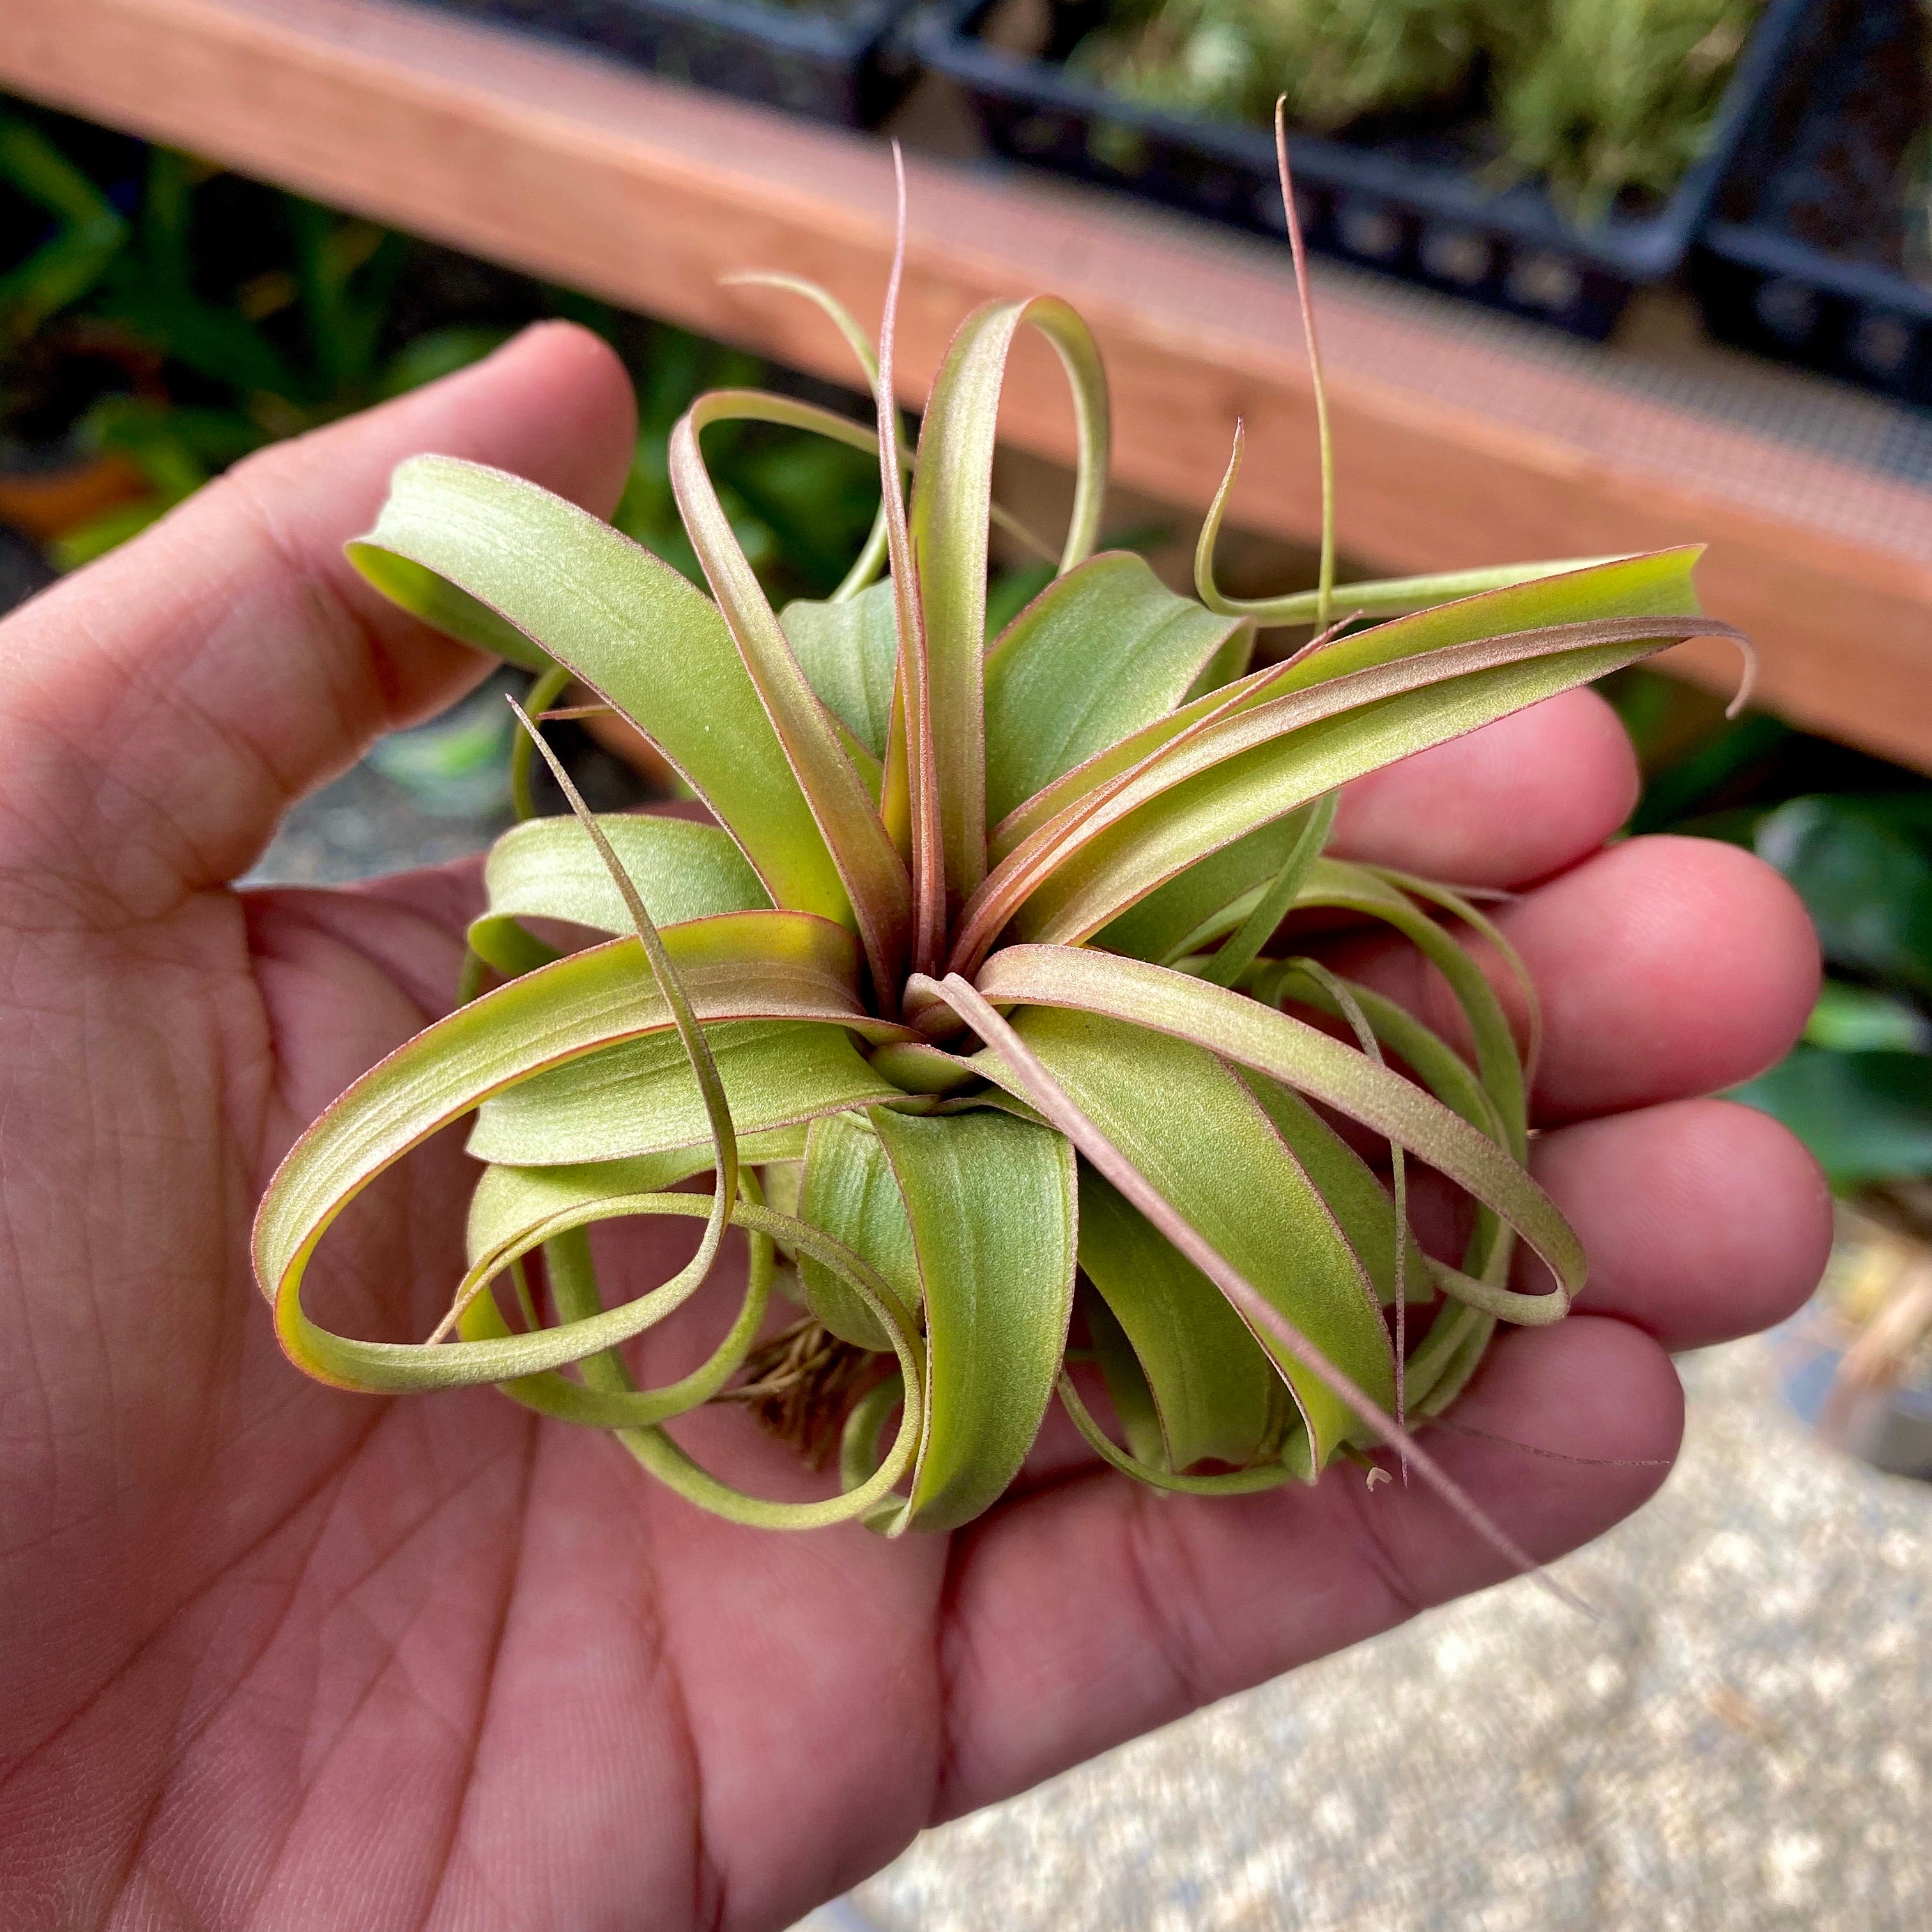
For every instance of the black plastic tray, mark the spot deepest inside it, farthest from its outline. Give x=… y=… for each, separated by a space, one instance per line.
x=1414 y=207
x=1804 y=260
x=841 y=64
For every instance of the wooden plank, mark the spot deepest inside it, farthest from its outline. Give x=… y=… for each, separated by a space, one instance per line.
x=1453 y=448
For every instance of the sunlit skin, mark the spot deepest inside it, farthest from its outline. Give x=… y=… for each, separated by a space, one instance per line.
x=282 y=1657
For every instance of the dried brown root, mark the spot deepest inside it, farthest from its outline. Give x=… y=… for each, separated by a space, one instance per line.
x=802 y=1384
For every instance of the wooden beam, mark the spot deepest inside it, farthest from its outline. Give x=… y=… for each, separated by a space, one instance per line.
x=1455 y=445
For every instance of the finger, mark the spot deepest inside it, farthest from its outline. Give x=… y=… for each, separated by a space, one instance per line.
x=410 y=926
x=1703 y=1220
x=413 y=924
x=165 y=705
x=1086 y=1615
x=1516 y=801
x=1665 y=967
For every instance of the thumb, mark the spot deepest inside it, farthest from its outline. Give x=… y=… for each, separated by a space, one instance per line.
x=161 y=709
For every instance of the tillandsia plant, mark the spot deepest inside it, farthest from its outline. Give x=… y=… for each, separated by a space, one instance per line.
x=976 y=989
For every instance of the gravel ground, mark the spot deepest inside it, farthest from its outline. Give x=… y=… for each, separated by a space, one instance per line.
x=360 y=827
x=1743 y=1744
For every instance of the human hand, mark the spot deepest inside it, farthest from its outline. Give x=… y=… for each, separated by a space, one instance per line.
x=277 y=1656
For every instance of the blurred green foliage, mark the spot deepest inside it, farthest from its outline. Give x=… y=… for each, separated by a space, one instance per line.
x=87 y=231
x=157 y=308
x=1866 y=1116
x=218 y=347
x=1854 y=837
x=1596 y=98
x=1615 y=95
x=1336 y=60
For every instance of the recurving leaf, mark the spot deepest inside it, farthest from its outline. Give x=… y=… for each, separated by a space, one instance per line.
x=548 y=868
x=1186 y=1122
x=1215 y=1395
x=1300 y=1056
x=1103 y=651
x=874 y=874
x=627 y=625
x=952 y=502
x=991 y=1201
x=783 y=965
x=1150 y=831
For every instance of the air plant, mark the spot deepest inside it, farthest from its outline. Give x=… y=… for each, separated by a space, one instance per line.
x=977 y=987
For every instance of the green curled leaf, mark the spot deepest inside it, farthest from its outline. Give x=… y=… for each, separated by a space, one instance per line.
x=1434 y=1062
x=1499 y=1064
x=1238 y=952
x=952 y=503
x=507 y=1200
x=515 y=1211
x=1230 y=1482
x=549 y=868
x=1446 y=1074
x=782 y=964
x=1451 y=1353
x=625 y=623
x=1104 y=650
x=572 y=1254
x=567 y=1263
x=991 y=1201
x=862 y=1450
x=1301 y=1057
x=672 y=1465
x=1214 y=1395
x=850 y=1191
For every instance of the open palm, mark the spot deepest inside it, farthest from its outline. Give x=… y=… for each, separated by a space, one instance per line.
x=271 y=1655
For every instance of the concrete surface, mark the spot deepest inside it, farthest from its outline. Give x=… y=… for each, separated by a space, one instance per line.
x=1743 y=1745
x=362 y=826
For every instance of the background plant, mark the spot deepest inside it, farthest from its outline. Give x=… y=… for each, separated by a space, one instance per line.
x=1854 y=836
x=179 y=316
x=1337 y=60
x=1915 y=173
x=1596 y=98
x=1615 y=96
